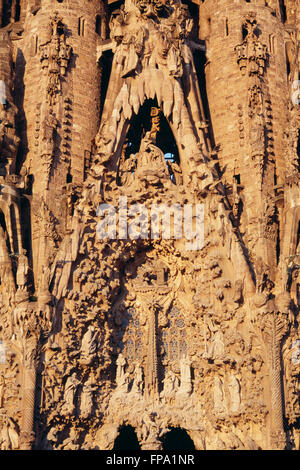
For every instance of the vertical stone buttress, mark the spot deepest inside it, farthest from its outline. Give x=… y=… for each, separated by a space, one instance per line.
x=251 y=134
x=59 y=96
x=61 y=105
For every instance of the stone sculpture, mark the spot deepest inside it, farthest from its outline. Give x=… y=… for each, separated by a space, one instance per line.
x=160 y=121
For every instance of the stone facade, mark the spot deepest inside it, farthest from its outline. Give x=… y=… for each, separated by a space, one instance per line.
x=142 y=104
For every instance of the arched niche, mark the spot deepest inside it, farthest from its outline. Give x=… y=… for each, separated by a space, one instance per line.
x=3 y=224
x=177 y=439
x=150 y=120
x=126 y=439
x=142 y=122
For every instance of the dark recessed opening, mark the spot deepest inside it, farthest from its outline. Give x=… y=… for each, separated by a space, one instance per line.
x=283 y=11
x=177 y=439
x=6 y=13
x=298 y=238
x=18 y=11
x=3 y=225
x=105 y=64
x=127 y=439
x=237 y=179
x=226 y=27
x=278 y=244
x=142 y=123
x=69 y=178
x=98 y=25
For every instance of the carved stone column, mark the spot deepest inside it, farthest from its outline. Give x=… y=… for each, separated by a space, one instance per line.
x=151 y=378
x=29 y=385
x=27 y=433
x=32 y=325
x=273 y=326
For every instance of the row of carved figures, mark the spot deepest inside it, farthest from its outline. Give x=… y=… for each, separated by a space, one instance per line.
x=172 y=384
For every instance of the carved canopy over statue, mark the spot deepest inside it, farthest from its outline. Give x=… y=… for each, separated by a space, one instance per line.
x=152 y=60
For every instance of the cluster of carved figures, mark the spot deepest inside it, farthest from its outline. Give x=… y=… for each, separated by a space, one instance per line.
x=145 y=332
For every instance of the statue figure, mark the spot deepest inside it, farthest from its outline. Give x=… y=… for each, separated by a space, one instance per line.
x=49 y=126
x=127 y=171
x=86 y=406
x=150 y=430
x=216 y=349
x=71 y=442
x=6 y=274
x=219 y=396
x=175 y=172
x=22 y=272
x=10 y=435
x=138 y=382
x=235 y=397
x=171 y=386
x=52 y=387
x=69 y=394
x=89 y=345
x=151 y=165
x=257 y=134
x=121 y=363
x=185 y=376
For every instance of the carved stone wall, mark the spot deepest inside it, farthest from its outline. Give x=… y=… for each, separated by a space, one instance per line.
x=151 y=106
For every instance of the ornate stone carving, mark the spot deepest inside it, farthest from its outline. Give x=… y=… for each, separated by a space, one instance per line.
x=55 y=57
x=152 y=332
x=252 y=54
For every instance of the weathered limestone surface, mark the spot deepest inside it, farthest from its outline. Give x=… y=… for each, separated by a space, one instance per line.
x=145 y=332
